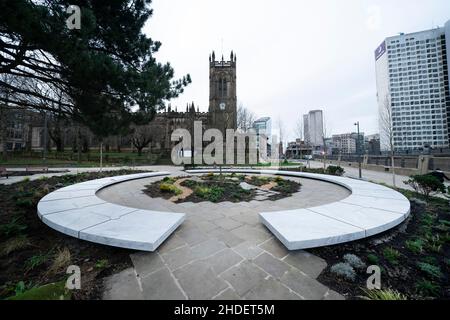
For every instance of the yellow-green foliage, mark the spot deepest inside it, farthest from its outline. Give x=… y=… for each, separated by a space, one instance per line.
x=169 y=188
x=14 y=244
x=387 y=294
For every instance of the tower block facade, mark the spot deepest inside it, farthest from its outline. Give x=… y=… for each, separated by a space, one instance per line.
x=222 y=93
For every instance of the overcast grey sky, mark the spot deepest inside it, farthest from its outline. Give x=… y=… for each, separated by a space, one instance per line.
x=292 y=55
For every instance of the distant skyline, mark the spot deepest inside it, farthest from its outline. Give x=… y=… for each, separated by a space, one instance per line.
x=292 y=56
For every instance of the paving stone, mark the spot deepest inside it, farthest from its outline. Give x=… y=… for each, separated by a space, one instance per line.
x=304 y=285
x=173 y=242
x=227 y=224
x=271 y=290
x=333 y=295
x=226 y=237
x=223 y=260
x=205 y=226
x=244 y=277
x=275 y=247
x=308 y=263
x=228 y=294
x=192 y=236
x=248 y=250
x=146 y=263
x=161 y=286
x=211 y=214
x=199 y=281
x=247 y=218
x=271 y=265
x=178 y=257
x=123 y=285
x=207 y=248
x=251 y=234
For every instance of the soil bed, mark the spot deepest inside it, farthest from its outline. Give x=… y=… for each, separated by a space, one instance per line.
x=227 y=187
x=413 y=258
x=32 y=254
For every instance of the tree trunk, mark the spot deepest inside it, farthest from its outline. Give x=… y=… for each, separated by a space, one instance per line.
x=393 y=168
x=78 y=145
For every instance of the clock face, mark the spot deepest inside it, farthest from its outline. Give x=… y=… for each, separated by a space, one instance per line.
x=222 y=106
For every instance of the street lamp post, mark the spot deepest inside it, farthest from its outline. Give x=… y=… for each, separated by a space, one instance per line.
x=358 y=147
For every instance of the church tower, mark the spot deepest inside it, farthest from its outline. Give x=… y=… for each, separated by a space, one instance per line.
x=222 y=93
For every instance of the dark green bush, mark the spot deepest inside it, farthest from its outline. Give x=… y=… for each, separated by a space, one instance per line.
x=335 y=170
x=426 y=185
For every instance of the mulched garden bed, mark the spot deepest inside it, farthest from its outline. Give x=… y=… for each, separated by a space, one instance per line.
x=220 y=188
x=32 y=254
x=413 y=258
x=31 y=172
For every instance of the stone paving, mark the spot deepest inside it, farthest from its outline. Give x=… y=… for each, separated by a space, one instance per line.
x=221 y=251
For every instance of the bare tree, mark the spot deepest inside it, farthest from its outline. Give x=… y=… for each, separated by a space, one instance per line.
x=326 y=132
x=387 y=131
x=299 y=128
x=281 y=136
x=142 y=137
x=245 y=118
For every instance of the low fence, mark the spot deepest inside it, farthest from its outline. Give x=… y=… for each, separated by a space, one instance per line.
x=406 y=165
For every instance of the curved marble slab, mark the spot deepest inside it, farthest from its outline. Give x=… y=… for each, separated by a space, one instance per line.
x=369 y=210
x=78 y=212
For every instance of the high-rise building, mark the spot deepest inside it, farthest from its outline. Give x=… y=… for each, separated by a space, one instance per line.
x=313 y=128
x=412 y=80
x=263 y=129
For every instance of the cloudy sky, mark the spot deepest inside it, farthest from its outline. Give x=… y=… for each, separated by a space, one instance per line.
x=292 y=55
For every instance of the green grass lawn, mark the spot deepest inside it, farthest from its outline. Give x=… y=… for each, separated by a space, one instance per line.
x=69 y=159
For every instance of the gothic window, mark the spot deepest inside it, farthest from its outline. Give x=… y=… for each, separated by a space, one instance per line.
x=222 y=87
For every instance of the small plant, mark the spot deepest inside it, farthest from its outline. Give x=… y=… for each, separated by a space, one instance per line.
x=335 y=171
x=61 y=261
x=431 y=270
x=169 y=180
x=392 y=255
x=13 y=227
x=24 y=203
x=35 y=261
x=427 y=288
x=14 y=244
x=344 y=270
x=26 y=179
x=354 y=261
x=415 y=246
x=387 y=294
x=102 y=264
x=169 y=188
x=20 y=288
x=278 y=179
x=372 y=259
x=426 y=185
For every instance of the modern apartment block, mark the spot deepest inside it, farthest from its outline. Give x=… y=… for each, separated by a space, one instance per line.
x=412 y=77
x=313 y=128
x=347 y=143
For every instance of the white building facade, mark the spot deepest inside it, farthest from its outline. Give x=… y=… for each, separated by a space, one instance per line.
x=263 y=129
x=412 y=77
x=313 y=128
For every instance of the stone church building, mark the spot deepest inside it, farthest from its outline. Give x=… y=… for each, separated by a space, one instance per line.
x=222 y=111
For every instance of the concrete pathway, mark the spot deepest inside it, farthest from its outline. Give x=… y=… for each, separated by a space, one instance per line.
x=221 y=251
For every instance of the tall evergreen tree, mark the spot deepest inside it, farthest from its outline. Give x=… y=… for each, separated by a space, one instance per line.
x=103 y=75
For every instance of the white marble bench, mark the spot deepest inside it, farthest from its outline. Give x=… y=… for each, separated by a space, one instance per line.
x=369 y=210
x=78 y=212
